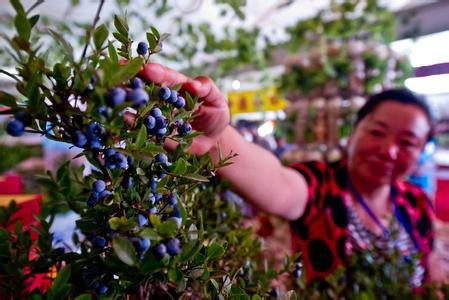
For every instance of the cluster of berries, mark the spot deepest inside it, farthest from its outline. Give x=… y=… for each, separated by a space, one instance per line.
x=91 y=138
x=99 y=192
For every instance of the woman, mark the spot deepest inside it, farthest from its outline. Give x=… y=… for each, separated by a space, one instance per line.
x=334 y=209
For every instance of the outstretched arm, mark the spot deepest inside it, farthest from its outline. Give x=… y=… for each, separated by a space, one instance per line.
x=256 y=173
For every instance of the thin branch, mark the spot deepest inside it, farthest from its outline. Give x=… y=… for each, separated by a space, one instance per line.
x=39 y=2
x=10 y=75
x=89 y=33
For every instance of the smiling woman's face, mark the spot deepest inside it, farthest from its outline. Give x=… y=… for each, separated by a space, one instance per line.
x=386 y=144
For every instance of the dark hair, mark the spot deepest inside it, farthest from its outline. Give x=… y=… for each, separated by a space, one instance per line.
x=395 y=95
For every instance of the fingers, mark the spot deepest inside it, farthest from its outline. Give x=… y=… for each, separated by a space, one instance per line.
x=201 y=86
x=162 y=75
x=208 y=91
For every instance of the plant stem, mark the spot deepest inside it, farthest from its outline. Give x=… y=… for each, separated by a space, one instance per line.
x=10 y=75
x=89 y=33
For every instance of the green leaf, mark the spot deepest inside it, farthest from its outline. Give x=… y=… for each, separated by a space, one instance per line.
x=180 y=166
x=175 y=275
x=215 y=250
x=141 y=136
x=155 y=220
x=121 y=25
x=168 y=228
x=7 y=99
x=189 y=250
x=17 y=6
x=114 y=223
x=112 y=53
x=124 y=250
x=61 y=280
x=66 y=46
x=155 y=32
x=120 y=37
x=195 y=177
x=100 y=35
x=238 y=293
x=152 y=41
x=126 y=72
x=150 y=234
x=33 y=20
x=23 y=26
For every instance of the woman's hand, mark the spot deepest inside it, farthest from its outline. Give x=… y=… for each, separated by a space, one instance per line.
x=211 y=118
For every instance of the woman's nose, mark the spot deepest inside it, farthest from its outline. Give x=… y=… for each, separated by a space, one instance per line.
x=390 y=150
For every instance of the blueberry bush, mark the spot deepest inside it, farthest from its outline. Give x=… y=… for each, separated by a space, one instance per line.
x=153 y=223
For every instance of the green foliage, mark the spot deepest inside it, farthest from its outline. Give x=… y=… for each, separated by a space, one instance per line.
x=14 y=154
x=344 y=48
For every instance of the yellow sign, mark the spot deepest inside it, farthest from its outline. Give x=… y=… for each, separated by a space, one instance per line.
x=255 y=101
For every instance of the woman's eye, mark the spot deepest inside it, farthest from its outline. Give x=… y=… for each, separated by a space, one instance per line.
x=376 y=133
x=406 y=143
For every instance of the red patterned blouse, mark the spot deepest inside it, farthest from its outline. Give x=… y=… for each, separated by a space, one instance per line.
x=321 y=233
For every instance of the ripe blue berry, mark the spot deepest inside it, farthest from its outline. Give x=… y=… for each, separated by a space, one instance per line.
x=109 y=152
x=161 y=122
x=104 y=194
x=92 y=200
x=103 y=110
x=179 y=122
x=161 y=250
x=95 y=144
x=139 y=97
x=79 y=139
x=153 y=185
x=142 y=48
x=24 y=117
x=156 y=112
x=142 y=220
x=161 y=174
x=127 y=181
x=95 y=131
x=153 y=210
x=173 y=246
x=121 y=161
x=15 y=128
x=141 y=244
x=185 y=129
x=158 y=197
x=103 y=289
x=173 y=97
x=151 y=198
x=176 y=212
x=161 y=132
x=164 y=93
x=150 y=122
x=99 y=242
x=180 y=102
x=172 y=200
x=161 y=158
x=116 y=97
x=99 y=186
x=136 y=83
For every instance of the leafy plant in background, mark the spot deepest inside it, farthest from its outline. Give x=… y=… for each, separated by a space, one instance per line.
x=148 y=217
x=344 y=50
x=14 y=154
